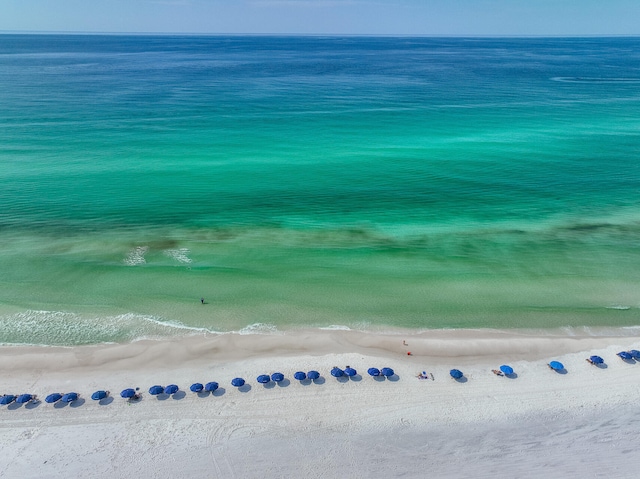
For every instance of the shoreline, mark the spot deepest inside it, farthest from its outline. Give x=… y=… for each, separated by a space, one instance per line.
x=437 y=346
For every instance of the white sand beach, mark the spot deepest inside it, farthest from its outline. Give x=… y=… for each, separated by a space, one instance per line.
x=584 y=423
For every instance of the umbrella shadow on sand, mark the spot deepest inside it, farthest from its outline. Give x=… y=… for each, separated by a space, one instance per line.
x=32 y=405
x=219 y=392
x=77 y=403
x=178 y=395
x=106 y=401
x=245 y=388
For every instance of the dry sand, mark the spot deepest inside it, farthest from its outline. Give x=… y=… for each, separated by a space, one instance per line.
x=583 y=423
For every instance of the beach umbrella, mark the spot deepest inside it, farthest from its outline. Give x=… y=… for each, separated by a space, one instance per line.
x=98 y=395
x=196 y=387
x=7 y=399
x=263 y=379
x=456 y=373
x=237 y=382
x=373 y=372
x=337 y=372
x=212 y=386
x=128 y=393
x=506 y=369
x=69 y=397
x=625 y=355
x=51 y=398
x=596 y=360
x=635 y=353
x=350 y=372
x=171 y=389
x=23 y=398
x=556 y=365
x=300 y=376
x=387 y=372
x=313 y=374
x=155 y=390
x=277 y=377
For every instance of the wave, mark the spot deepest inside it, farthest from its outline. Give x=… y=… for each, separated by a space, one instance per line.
x=136 y=256
x=181 y=255
x=597 y=80
x=59 y=328
x=260 y=328
x=66 y=329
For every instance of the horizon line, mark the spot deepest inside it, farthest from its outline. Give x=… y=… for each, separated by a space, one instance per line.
x=368 y=35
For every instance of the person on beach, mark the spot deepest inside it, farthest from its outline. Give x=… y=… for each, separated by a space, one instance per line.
x=202 y=300
x=496 y=372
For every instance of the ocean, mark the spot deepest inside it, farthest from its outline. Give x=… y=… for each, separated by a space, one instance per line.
x=316 y=182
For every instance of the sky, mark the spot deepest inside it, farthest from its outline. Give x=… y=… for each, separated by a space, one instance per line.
x=353 y=17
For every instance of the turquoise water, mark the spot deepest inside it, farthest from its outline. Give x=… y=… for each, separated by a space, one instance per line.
x=292 y=182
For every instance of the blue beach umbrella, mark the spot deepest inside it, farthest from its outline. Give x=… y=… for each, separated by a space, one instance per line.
x=350 y=372
x=506 y=369
x=52 y=398
x=263 y=379
x=237 y=382
x=337 y=372
x=171 y=389
x=313 y=374
x=635 y=353
x=625 y=355
x=98 y=395
x=556 y=365
x=373 y=372
x=456 y=373
x=7 y=399
x=24 y=398
x=155 y=390
x=212 y=386
x=196 y=387
x=387 y=372
x=596 y=360
x=128 y=393
x=277 y=377
x=69 y=397
x=300 y=376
